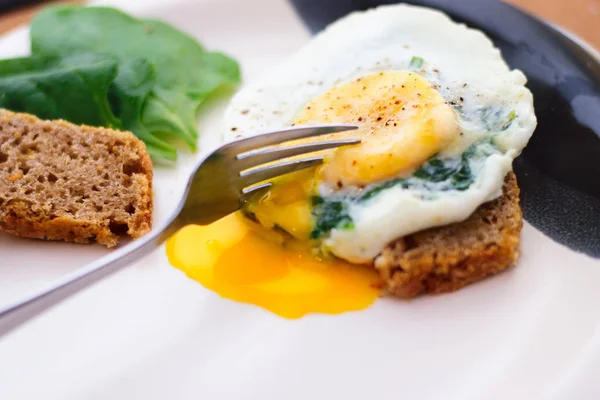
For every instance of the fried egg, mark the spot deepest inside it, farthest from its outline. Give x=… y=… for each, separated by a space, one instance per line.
x=441 y=117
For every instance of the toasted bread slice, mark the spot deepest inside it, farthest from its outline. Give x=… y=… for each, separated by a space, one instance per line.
x=447 y=258
x=60 y=181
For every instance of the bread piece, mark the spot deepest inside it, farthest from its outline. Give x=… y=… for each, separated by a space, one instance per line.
x=60 y=181
x=447 y=258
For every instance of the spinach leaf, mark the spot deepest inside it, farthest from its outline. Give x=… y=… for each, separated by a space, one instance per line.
x=435 y=170
x=512 y=115
x=381 y=187
x=329 y=214
x=128 y=96
x=462 y=178
x=416 y=62
x=181 y=90
x=73 y=88
x=185 y=73
x=495 y=119
x=459 y=174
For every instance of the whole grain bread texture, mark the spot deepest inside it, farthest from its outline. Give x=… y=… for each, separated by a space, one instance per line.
x=61 y=181
x=446 y=258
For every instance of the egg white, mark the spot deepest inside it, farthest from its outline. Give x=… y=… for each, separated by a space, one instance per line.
x=470 y=74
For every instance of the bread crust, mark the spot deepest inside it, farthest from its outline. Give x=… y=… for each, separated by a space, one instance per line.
x=60 y=181
x=446 y=258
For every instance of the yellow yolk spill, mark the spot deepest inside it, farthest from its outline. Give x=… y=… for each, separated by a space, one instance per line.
x=403 y=121
x=245 y=263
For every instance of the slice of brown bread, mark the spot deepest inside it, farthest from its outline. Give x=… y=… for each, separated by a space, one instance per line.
x=447 y=258
x=60 y=181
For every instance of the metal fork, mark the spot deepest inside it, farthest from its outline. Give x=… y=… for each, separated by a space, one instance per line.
x=221 y=181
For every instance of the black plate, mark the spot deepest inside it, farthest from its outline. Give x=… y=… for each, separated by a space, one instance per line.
x=6 y=5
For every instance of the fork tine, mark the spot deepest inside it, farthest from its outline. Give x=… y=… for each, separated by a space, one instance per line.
x=260 y=174
x=255 y=188
x=284 y=135
x=266 y=155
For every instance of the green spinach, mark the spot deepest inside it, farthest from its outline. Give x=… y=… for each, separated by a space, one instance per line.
x=416 y=63
x=369 y=194
x=146 y=76
x=128 y=96
x=435 y=170
x=495 y=119
x=329 y=214
x=74 y=88
x=459 y=174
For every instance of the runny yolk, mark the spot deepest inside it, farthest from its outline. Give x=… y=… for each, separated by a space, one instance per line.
x=249 y=264
x=403 y=120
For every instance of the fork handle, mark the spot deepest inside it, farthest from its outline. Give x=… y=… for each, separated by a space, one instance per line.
x=18 y=313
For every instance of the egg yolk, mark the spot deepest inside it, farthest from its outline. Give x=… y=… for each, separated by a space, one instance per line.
x=403 y=120
x=246 y=263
